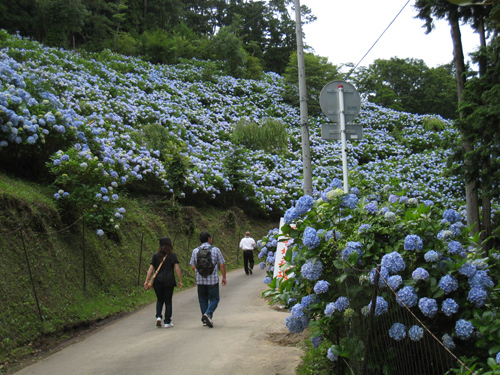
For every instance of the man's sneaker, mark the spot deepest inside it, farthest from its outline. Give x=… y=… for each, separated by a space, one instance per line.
x=158 y=322
x=207 y=320
x=169 y=325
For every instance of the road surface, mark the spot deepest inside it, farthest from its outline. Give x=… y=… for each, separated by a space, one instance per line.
x=239 y=343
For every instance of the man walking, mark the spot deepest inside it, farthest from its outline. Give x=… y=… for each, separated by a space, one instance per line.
x=202 y=259
x=247 y=244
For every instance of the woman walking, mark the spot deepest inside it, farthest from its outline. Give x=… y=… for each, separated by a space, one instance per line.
x=163 y=263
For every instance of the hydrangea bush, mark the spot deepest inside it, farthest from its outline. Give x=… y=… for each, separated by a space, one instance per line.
x=448 y=282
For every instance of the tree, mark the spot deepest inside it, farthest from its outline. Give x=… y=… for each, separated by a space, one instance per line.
x=442 y=9
x=18 y=16
x=59 y=19
x=408 y=85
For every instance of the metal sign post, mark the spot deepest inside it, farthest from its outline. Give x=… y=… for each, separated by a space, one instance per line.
x=343 y=138
x=333 y=102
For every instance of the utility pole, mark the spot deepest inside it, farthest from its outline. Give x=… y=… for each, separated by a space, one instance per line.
x=306 y=151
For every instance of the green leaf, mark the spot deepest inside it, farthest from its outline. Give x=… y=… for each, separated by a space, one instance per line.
x=467 y=2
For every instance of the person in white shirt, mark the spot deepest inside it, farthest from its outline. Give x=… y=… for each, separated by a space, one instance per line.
x=247 y=244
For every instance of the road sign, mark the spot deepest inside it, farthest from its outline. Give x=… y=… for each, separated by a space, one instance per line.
x=329 y=101
x=334 y=132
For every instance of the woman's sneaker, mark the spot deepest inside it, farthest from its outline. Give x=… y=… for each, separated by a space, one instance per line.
x=208 y=321
x=169 y=325
x=158 y=322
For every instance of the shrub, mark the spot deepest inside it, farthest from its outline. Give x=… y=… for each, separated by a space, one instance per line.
x=444 y=278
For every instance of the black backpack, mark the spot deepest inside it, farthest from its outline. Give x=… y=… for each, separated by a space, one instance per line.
x=204 y=263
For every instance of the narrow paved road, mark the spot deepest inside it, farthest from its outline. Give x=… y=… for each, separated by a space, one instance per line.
x=239 y=343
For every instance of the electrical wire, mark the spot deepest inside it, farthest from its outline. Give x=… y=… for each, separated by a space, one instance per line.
x=373 y=45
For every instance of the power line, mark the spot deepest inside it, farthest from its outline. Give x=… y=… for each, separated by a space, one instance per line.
x=373 y=45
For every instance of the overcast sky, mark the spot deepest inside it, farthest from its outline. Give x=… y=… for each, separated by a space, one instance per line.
x=346 y=29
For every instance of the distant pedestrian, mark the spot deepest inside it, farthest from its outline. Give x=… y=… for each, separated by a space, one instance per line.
x=203 y=259
x=247 y=244
x=164 y=282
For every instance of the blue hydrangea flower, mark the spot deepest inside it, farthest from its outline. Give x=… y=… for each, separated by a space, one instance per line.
x=296 y=324
x=448 y=341
x=290 y=215
x=407 y=296
x=321 y=287
x=383 y=210
x=403 y=199
x=351 y=247
x=428 y=203
x=415 y=333
x=381 y=306
x=342 y=303
x=451 y=216
x=413 y=242
x=270 y=258
x=349 y=201
x=393 y=198
x=477 y=296
x=398 y=331
x=262 y=265
x=448 y=284
x=384 y=275
x=481 y=280
x=428 y=306
x=454 y=247
x=331 y=356
x=464 y=329
x=100 y=232
x=297 y=310
x=304 y=204
x=456 y=228
x=467 y=269
x=311 y=270
x=311 y=238
x=395 y=282
x=449 y=307
x=316 y=341
x=393 y=262
x=371 y=207
x=307 y=300
x=263 y=252
x=497 y=358
x=267 y=280
x=354 y=190
x=330 y=309
x=364 y=227
x=431 y=256
x=328 y=235
x=420 y=274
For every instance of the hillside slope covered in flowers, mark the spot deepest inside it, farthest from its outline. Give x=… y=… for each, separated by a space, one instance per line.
x=87 y=114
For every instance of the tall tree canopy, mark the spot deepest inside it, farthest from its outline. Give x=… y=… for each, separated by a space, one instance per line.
x=409 y=85
x=265 y=28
